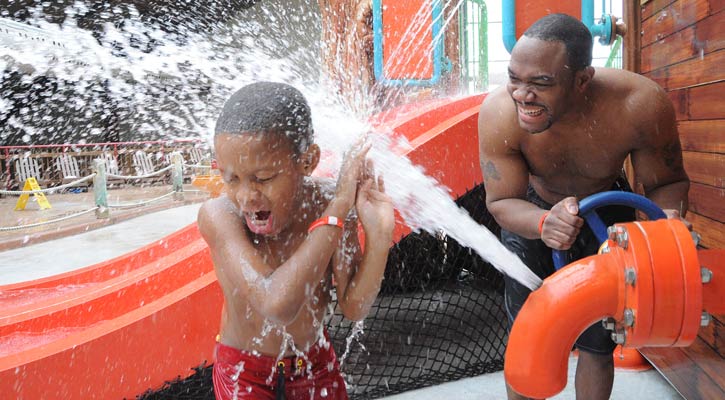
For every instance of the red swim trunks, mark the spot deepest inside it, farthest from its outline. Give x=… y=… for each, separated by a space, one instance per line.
x=239 y=374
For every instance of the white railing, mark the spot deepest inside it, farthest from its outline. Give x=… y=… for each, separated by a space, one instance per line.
x=100 y=190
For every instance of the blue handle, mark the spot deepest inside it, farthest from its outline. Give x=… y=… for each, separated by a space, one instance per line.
x=588 y=207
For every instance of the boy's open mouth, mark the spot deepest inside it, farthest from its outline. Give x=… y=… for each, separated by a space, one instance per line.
x=259 y=222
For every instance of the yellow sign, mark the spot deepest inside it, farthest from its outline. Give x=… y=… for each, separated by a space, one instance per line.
x=32 y=184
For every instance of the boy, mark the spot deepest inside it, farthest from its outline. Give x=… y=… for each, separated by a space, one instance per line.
x=278 y=238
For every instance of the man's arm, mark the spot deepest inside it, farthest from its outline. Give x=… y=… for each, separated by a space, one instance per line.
x=505 y=173
x=657 y=160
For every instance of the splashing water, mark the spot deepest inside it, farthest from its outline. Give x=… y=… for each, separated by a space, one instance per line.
x=160 y=85
x=357 y=331
x=221 y=63
x=426 y=205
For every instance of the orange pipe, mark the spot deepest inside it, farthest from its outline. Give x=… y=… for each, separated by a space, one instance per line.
x=547 y=326
x=650 y=283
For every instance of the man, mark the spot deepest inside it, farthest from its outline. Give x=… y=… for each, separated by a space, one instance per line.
x=558 y=132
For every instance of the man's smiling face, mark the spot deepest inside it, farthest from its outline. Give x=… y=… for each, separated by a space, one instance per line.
x=540 y=82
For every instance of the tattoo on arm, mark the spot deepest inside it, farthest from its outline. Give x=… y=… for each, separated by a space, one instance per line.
x=490 y=172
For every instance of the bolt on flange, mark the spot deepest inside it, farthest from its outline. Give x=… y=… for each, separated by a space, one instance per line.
x=619 y=336
x=609 y=323
x=706 y=274
x=705 y=319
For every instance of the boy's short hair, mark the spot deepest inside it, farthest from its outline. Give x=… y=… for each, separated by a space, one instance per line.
x=568 y=30
x=268 y=107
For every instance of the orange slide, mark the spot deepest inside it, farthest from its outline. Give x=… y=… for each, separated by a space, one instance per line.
x=120 y=327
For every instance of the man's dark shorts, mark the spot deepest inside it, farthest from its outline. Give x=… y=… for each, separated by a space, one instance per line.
x=537 y=256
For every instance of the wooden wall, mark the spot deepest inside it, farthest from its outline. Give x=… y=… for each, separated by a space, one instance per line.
x=682 y=47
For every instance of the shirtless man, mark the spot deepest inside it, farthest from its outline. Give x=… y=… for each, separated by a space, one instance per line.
x=559 y=131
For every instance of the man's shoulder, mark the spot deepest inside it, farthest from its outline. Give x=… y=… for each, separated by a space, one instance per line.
x=496 y=99
x=630 y=86
x=497 y=115
x=631 y=96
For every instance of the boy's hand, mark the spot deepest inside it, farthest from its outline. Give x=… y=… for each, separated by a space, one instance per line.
x=374 y=207
x=350 y=174
x=562 y=225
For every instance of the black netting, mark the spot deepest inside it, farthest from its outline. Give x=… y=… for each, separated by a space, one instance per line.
x=439 y=317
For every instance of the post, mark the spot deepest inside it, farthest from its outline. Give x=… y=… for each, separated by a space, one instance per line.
x=99 y=188
x=177 y=175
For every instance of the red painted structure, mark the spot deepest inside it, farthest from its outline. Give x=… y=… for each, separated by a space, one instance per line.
x=118 y=328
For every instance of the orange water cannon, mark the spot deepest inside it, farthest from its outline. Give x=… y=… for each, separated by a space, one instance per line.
x=649 y=285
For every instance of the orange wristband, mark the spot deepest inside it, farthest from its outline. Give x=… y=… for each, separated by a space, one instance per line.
x=326 y=220
x=541 y=222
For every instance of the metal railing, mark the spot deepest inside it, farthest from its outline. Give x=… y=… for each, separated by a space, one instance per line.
x=99 y=177
x=46 y=156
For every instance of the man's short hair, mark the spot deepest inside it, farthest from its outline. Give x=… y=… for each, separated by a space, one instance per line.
x=569 y=30
x=263 y=107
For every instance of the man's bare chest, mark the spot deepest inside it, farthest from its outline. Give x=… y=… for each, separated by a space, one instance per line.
x=576 y=159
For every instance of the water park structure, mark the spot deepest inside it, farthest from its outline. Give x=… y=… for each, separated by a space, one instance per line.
x=660 y=288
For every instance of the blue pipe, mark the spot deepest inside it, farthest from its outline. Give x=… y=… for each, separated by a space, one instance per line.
x=603 y=30
x=509 y=24
x=588 y=206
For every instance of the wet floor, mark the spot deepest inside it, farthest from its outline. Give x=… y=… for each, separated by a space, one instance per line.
x=628 y=385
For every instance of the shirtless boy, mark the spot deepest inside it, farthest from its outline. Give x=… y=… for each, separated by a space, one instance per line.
x=559 y=131
x=279 y=239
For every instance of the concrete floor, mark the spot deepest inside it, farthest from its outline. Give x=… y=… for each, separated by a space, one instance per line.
x=643 y=385
x=84 y=249
x=73 y=252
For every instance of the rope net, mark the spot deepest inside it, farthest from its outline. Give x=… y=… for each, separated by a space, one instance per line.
x=439 y=317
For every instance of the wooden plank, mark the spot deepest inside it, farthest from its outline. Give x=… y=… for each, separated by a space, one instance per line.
x=703 y=135
x=673 y=18
x=680 y=101
x=632 y=14
x=675 y=48
x=706 y=102
x=709 y=32
x=707 y=201
x=714 y=335
x=682 y=368
x=653 y=6
x=694 y=72
x=705 y=168
x=710 y=361
x=694 y=41
x=712 y=232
